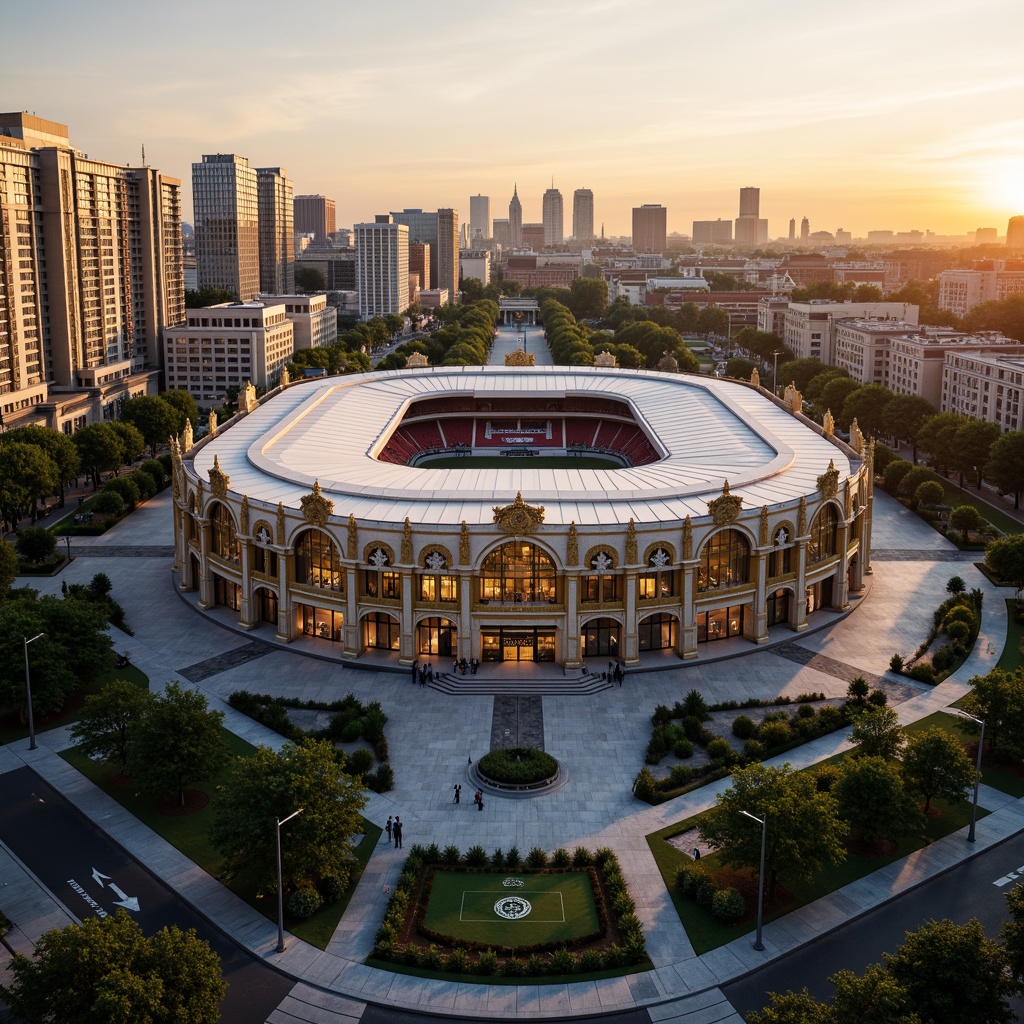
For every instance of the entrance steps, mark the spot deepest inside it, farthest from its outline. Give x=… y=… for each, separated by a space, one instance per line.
x=486 y=684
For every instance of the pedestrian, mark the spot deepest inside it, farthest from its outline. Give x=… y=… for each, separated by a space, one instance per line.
x=610 y=670
x=397 y=831
x=458 y=794
x=696 y=853
x=479 y=799
x=619 y=674
x=387 y=828
x=415 y=669
x=469 y=762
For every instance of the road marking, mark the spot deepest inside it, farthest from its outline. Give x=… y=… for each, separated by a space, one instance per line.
x=1010 y=877
x=126 y=901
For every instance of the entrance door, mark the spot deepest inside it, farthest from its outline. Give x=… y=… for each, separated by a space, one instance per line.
x=518 y=652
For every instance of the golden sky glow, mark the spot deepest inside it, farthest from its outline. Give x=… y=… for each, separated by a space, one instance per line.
x=871 y=115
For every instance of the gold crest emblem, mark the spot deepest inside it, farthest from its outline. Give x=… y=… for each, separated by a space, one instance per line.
x=519 y=518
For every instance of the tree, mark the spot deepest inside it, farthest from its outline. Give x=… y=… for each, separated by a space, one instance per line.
x=36 y=544
x=132 y=444
x=935 y=765
x=877 y=733
x=997 y=698
x=955 y=585
x=27 y=474
x=974 y=441
x=273 y=784
x=873 y=800
x=184 y=403
x=875 y=998
x=1005 y=466
x=953 y=973
x=1012 y=933
x=895 y=473
x=937 y=436
x=208 y=297
x=928 y=493
x=965 y=518
x=917 y=476
x=56 y=444
x=309 y=279
x=100 y=448
x=904 y=416
x=588 y=298
x=858 y=690
x=152 y=417
x=800 y=372
x=178 y=741
x=804 y=828
x=8 y=566
x=867 y=406
x=833 y=397
x=713 y=320
x=739 y=368
x=107 y=970
x=1005 y=558
x=109 y=720
x=792 y=1008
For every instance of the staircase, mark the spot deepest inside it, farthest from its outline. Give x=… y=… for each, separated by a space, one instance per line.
x=487 y=683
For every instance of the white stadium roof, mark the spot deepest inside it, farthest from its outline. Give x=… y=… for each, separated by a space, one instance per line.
x=708 y=430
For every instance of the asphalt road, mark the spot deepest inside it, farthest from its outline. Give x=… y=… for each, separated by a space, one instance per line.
x=92 y=876
x=967 y=891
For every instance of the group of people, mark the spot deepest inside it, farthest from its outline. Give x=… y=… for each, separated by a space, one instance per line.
x=615 y=673
x=422 y=674
x=461 y=666
x=394 y=830
x=478 y=797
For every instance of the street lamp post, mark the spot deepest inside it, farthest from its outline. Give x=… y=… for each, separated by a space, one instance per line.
x=763 y=822
x=28 y=689
x=977 y=773
x=775 y=371
x=280 y=889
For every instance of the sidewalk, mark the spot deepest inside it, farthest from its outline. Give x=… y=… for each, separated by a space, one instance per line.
x=600 y=738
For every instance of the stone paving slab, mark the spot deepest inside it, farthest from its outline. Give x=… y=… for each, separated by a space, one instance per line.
x=228 y=660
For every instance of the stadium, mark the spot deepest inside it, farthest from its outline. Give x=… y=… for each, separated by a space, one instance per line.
x=508 y=513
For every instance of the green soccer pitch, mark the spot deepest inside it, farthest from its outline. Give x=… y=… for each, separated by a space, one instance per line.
x=463 y=904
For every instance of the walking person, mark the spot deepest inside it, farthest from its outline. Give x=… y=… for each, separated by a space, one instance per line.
x=458 y=794
x=479 y=799
x=387 y=828
x=415 y=670
x=397 y=830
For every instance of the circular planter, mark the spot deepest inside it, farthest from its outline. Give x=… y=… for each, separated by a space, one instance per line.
x=518 y=770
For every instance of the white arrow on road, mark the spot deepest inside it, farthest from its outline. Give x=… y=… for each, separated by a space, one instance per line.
x=128 y=902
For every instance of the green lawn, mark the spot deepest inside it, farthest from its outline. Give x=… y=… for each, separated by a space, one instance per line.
x=464 y=904
x=1011 y=657
x=189 y=834
x=955 y=496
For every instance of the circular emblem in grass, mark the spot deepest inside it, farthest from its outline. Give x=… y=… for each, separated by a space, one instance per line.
x=513 y=883
x=518 y=766
x=512 y=907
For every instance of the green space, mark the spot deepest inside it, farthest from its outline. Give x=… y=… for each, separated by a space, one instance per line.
x=462 y=904
x=1012 y=657
x=956 y=496
x=522 y=462
x=189 y=833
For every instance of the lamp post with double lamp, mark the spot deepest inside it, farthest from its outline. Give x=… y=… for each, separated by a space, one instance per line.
x=763 y=822
x=28 y=689
x=280 y=889
x=977 y=772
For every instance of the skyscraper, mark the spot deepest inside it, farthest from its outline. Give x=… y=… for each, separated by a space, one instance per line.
x=479 y=218
x=583 y=215
x=90 y=276
x=382 y=267
x=225 y=207
x=500 y=232
x=650 y=230
x=792 y=229
x=805 y=230
x=515 y=219
x=440 y=231
x=277 y=233
x=750 y=202
x=552 y=216
x=750 y=228
x=315 y=215
x=1015 y=233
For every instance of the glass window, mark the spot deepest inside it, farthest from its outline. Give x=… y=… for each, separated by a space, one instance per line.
x=316 y=561
x=517 y=571
x=599 y=588
x=222 y=534
x=657 y=633
x=322 y=623
x=655 y=584
x=601 y=637
x=264 y=561
x=725 y=561
x=438 y=587
x=382 y=631
x=437 y=636
x=227 y=593
x=822 y=543
x=720 y=623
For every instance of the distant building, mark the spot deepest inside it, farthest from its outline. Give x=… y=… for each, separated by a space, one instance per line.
x=712 y=232
x=583 y=215
x=382 y=267
x=986 y=236
x=809 y=327
x=961 y=290
x=555 y=270
x=751 y=231
x=434 y=298
x=338 y=267
x=479 y=218
x=419 y=263
x=805 y=229
x=988 y=384
x=515 y=219
x=500 y=232
x=277 y=243
x=552 y=216
x=1015 y=233
x=475 y=263
x=532 y=237
x=650 y=227
x=439 y=230
x=792 y=229
x=314 y=322
x=316 y=216
x=750 y=202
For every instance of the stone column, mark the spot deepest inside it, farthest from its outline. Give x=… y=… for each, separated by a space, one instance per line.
x=245 y=612
x=631 y=655
x=840 y=593
x=205 y=581
x=798 y=614
x=406 y=644
x=353 y=647
x=468 y=641
x=571 y=641
x=759 y=627
x=285 y=609
x=688 y=619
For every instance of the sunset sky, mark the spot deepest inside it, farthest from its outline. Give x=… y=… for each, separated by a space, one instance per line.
x=878 y=114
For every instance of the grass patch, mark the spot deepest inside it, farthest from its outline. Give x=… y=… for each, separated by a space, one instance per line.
x=12 y=729
x=1006 y=777
x=956 y=496
x=1011 y=658
x=462 y=904
x=190 y=834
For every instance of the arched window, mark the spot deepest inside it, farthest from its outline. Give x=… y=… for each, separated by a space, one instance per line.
x=780 y=560
x=222 y=534
x=437 y=582
x=656 y=581
x=724 y=561
x=602 y=583
x=316 y=561
x=516 y=572
x=381 y=580
x=822 y=543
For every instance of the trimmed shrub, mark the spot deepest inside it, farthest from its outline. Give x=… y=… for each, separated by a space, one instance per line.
x=535 y=966
x=333 y=887
x=457 y=961
x=487 y=962
x=643 y=786
x=704 y=890
x=743 y=727
x=560 y=858
x=498 y=859
x=719 y=749
x=124 y=487
x=381 y=780
x=878 y=698
x=145 y=483
x=518 y=765
x=450 y=856
x=304 y=902
x=360 y=761
x=512 y=858
x=35 y=544
x=896 y=663
x=107 y=503
x=581 y=857
x=753 y=750
x=476 y=857
x=536 y=858
x=656 y=747
x=683 y=749
x=563 y=961
x=156 y=470
x=686 y=878
x=957 y=630
x=728 y=906
x=513 y=967
x=774 y=734
x=696 y=706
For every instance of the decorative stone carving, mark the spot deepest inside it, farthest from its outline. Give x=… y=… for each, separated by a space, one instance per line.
x=464 y=554
x=801 y=519
x=280 y=524
x=406 y=555
x=602 y=562
x=856 y=437
x=352 y=544
x=519 y=358
x=605 y=358
x=519 y=518
x=416 y=361
x=243 y=515
x=436 y=561
x=755 y=378
x=828 y=423
x=315 y=507
x=828 y=482
x=247 y=398
x=726 y=507
x=631 y=553
x=187 y=440
x=848 y=503
x=793 y=399
x=286 y=377
x=687 y=539
x=572 y=546
x=263 y=537
x=200 y=497
x=659 y=558
x=781 y=537
x=219 y=480
x=762 y=536
x=211 y=424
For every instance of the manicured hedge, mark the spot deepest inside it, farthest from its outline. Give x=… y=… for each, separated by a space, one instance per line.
x=518 y=766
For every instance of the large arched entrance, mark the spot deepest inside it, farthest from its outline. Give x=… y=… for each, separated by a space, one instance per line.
x=437 y=636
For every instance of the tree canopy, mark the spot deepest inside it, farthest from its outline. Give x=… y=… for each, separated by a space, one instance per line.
x=1005 y=557
x=1005 y=466
x=935 y=765
x=154 y=418
x=109 y=719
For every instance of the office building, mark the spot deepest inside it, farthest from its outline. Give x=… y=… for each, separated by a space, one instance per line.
x=1015 y=233
x=90 y=276
x=515 y=219
x=533 y=237
x=225 y=203
x=315 y=215
x=476 y=263
x=650 y=227
x=479 y=218
x=419 y=264
x=500 y=233
x=750 y=202
x=382 y=267
x=809 y=327
x=315 y=324
x=961 y=290
x=805 y=229
x=552 y=217
x=337 y=265
x=792 y=229
x=277 y=232
x=712 y=232
x=583 y=215
x=440 y=231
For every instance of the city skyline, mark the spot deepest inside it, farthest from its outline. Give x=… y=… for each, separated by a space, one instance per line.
x=915 y=124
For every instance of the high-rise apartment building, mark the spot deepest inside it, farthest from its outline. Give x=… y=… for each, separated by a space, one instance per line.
x=552 y=217
x=90 y=277
x=712 y=232
x=277 y=233
x=805 y=229
x=750 y=202
x=439 y=230
x=650 y=227
x=382 y=267
x=515 y=219
x=419 y=264
x=315 y=215
x=750 y=228
x=583 y=215
x=533 y=237
x=792 y=229
x=226 y=217
x=479 y=218
x=1015 y=233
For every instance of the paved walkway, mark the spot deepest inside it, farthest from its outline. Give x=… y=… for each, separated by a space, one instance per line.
x=601 y=738
x=530 y=338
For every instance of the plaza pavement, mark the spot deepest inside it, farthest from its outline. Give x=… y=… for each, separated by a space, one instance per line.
x=600 y=739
